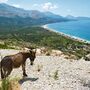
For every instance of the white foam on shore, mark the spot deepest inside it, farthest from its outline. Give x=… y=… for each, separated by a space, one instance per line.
x=66 y=35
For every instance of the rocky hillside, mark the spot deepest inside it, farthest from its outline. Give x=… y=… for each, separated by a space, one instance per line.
x=53 y=73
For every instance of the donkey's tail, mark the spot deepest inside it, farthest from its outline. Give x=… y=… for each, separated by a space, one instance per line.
x=1 y=69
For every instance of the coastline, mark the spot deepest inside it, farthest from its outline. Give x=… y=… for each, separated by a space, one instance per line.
x=66 y=35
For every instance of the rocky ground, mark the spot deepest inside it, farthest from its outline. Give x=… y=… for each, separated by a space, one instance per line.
x=53 y=73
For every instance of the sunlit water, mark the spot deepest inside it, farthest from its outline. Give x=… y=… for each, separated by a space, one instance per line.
x=79 y=28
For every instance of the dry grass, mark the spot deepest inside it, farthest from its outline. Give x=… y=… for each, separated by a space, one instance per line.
x=10 y=84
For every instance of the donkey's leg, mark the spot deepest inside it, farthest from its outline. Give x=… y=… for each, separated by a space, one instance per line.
x=24 y=71
x=8 y=72
x=2 y=73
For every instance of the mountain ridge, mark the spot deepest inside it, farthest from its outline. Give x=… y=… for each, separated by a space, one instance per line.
x=15 y=16
x=19 y=11
x=77 y=18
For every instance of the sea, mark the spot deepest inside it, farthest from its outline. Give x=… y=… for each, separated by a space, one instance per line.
x=79 y=29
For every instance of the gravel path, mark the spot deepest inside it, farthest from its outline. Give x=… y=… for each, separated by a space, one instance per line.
x=54 y=73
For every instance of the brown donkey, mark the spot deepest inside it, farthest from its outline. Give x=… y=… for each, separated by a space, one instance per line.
x=15 y=61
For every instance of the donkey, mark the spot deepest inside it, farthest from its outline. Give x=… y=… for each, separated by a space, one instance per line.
x=8 y=63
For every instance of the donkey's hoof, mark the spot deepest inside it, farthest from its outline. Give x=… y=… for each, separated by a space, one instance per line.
x=25 y=75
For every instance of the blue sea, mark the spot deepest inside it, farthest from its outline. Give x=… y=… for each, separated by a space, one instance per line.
x=80 y=29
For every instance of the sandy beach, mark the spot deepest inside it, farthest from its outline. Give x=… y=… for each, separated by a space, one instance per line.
x=66 y=35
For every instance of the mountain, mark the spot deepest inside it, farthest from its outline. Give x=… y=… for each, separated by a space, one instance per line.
x=83 y=18
x=10 y=15
x=70 y=17
x=10 y=11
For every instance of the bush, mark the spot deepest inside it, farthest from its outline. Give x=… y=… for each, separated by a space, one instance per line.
x=56 y=75
x=10 y=84
x=5 y=84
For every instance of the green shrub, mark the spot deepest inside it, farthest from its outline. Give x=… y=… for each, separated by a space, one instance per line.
x=5 y=84
x=55 y=76
x=38 y=36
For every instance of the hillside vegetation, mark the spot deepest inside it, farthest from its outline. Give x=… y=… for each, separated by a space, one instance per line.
x=40 y=37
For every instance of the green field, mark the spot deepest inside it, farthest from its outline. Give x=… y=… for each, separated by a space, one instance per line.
x=40 y=37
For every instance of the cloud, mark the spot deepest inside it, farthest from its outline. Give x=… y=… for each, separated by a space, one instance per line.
x=16 y=5
x=45 y=6
x=35 y=5
x=49 y=6
x=3 y=1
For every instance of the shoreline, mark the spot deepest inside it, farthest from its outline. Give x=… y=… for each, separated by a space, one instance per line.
x=66 y=35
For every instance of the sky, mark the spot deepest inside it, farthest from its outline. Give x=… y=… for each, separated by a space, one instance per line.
x=60 y=7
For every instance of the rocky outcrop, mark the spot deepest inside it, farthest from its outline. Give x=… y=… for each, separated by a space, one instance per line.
x=87 y=57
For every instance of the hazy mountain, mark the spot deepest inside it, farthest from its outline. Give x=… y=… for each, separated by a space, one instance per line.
x=77 y=18
x=10 y=11
x=18 y=16
x=71 y=17
x=83 y=18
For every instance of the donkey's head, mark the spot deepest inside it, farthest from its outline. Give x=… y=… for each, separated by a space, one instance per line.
x=32 y=56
